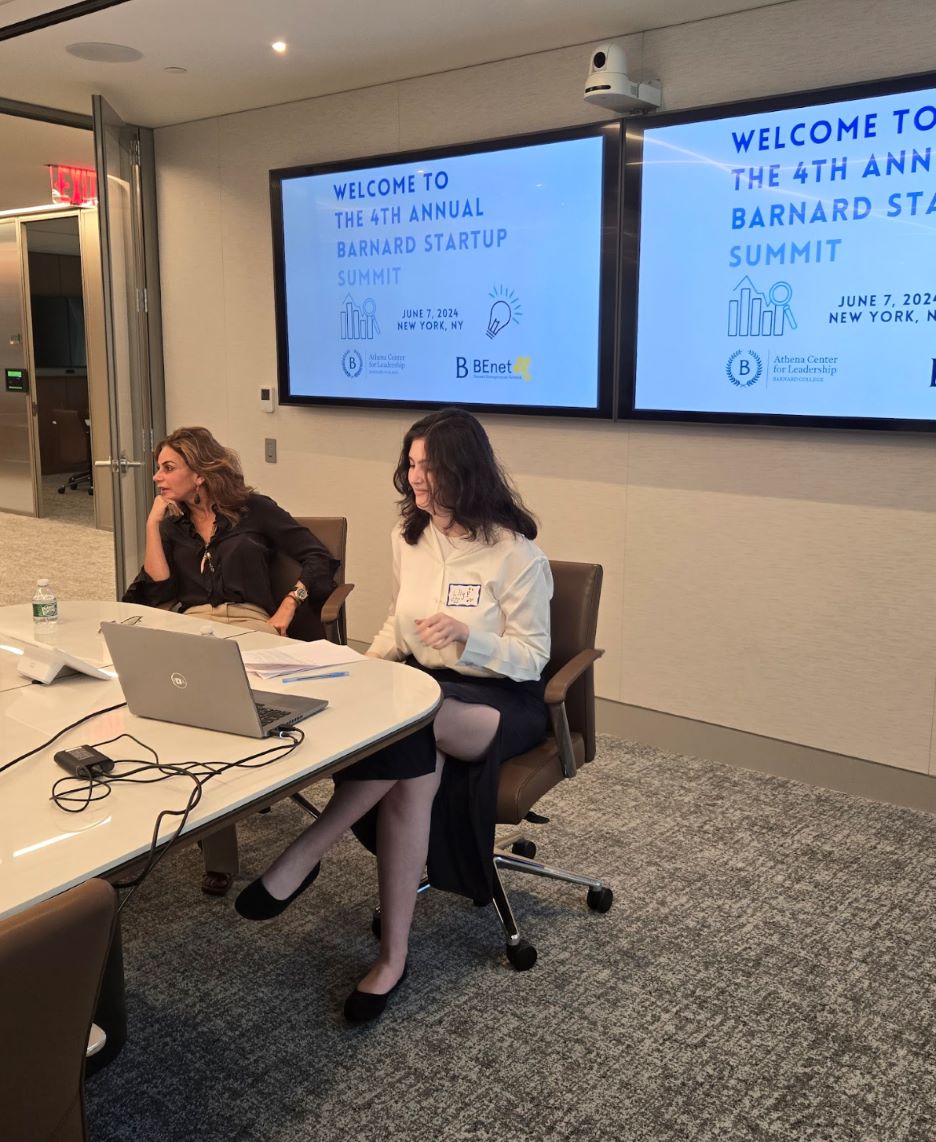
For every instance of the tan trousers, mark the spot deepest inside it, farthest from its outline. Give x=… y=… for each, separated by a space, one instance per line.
x=235 y=614
x=220 y=849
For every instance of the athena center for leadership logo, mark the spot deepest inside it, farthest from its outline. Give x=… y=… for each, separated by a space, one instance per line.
x=352 y=362
x=744 y=368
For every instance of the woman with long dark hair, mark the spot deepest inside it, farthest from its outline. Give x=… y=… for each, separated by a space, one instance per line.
x=470 y=605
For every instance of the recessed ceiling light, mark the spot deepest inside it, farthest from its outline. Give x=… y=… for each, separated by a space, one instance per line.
x=104 y=53
x=176 y=70
x=279 y=46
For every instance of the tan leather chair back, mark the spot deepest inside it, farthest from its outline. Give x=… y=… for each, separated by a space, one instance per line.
x=333 y=532
x=52 y=960
x=574 y=618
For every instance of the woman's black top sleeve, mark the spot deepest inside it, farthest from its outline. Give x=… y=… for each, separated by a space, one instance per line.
x=234 y=567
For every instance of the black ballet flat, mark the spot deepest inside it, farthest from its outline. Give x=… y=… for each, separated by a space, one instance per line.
x=366 y=1006
x=255 y=903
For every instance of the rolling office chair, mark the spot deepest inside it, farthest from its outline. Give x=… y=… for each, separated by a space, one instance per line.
x=330 y=623
x=52 y=960
x=569 y=744
x=75 y=447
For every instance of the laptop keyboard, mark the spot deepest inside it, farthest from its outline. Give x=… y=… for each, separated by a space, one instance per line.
x=269 y=714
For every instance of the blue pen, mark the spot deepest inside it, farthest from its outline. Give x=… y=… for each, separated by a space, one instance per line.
x=315 y=677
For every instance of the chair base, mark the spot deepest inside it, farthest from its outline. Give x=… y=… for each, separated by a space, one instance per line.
x=73 y=483
x=520 y=952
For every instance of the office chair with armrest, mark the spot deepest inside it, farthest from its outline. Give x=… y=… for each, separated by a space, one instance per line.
x=330 y=622
x=567 y=745
x=52 y=960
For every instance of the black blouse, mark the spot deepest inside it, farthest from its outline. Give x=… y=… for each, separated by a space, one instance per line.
x=235 y=566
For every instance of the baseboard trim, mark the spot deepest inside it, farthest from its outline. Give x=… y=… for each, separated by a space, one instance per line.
x=767 y=755
x=744 y=750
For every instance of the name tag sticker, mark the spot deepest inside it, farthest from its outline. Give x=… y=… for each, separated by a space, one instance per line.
x=463 y=595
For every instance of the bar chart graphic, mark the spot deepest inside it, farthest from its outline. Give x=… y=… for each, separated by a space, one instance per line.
x=756 y=314
x=358 y=322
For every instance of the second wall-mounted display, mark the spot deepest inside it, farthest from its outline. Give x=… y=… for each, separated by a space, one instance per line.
x=787 y=261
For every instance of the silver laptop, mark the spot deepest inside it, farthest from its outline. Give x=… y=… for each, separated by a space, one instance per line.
x=195 y=680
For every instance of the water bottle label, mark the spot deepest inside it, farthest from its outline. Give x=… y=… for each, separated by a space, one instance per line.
x=46 y=612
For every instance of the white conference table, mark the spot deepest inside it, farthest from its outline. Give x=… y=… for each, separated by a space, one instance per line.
x=45 y=850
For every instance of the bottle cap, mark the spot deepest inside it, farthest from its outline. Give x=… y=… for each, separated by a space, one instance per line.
x=42 y=582
x=207 y=629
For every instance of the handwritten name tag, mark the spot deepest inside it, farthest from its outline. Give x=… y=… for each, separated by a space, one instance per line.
x=463 y=595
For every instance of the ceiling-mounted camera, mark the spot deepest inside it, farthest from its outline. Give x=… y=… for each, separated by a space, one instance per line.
x=608 y=84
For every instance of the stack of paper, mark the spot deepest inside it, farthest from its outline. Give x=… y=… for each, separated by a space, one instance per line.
x=276 y=660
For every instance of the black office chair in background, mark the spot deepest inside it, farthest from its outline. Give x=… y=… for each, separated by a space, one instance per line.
x=74 y=441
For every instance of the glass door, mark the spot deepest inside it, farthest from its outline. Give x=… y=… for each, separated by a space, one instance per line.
x=17 y=443
x=129 y=265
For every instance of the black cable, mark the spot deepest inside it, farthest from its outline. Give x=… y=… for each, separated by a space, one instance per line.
x=45 y=745
x=73 y=793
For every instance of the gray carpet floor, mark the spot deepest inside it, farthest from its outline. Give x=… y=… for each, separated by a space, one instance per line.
x=767 y=972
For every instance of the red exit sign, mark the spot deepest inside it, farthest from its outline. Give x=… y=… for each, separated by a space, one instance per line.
x=74 y=185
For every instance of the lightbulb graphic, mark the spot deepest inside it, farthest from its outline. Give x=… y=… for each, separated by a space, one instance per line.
x=501 y=316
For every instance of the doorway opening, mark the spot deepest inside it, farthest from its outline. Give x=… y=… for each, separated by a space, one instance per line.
x=56 y=306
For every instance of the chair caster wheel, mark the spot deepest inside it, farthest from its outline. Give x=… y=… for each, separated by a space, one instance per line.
x=375 y=924
x=599 y=899
x=524 y=849
x=522 y=955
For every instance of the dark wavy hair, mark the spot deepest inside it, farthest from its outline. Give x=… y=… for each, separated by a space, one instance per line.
x=218 y=466
x=467 y=479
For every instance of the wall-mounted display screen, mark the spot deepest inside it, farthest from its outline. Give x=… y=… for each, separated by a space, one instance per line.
x=787 y=260
x=479 y=275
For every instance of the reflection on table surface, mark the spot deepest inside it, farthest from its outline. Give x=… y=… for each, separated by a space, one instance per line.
x=44 y=849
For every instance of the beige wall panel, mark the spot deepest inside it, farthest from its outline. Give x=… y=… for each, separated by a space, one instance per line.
x=790 y=47
x=191 y=268
x=534 y=93
x=782 y=619
x=772 y=581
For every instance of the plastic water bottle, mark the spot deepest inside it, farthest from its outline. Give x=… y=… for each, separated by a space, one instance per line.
x=44 y=606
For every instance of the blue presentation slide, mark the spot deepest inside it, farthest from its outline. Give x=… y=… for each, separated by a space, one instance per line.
x=788 y=262
x=469 y=279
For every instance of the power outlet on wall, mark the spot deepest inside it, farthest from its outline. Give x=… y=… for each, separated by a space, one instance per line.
x=269 y=450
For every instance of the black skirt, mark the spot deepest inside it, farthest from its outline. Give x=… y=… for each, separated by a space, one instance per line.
x=461 y=838
x=522 y=724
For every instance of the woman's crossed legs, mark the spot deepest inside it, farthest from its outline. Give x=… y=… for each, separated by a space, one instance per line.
x=462 y=730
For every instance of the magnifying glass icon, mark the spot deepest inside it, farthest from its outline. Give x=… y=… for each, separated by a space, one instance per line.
x=779 y=295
